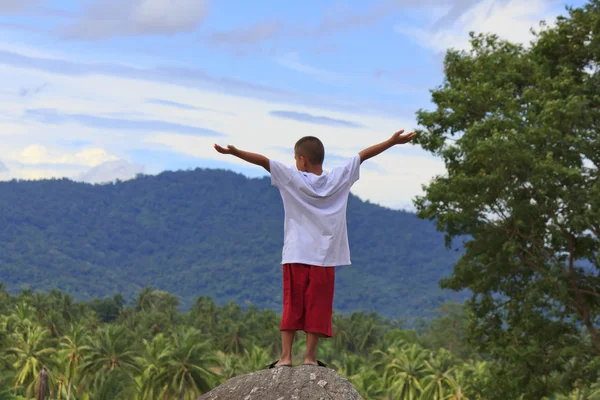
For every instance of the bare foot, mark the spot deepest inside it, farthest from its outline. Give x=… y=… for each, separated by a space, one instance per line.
x=284 y=361
x=314 y=362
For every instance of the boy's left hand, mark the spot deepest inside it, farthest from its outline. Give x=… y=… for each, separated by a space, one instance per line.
x=225 y=150
x=399 y=138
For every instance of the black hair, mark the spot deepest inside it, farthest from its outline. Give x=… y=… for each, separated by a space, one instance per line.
x=311 y=148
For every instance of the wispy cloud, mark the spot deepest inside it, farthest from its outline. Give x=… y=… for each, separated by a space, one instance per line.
x=22 y=27
x=172 y=75
x=337 y=19
x=509 y=19
x=36 y=8
x=292 y=61
x=104 y=19
x=50 y=116
x=10 y=6
x=31 y=91
x=3 y=167
x=315 y=119
x=196 y=78
x=176 y=105
x=182 y=106
x=342 y=18
x=243 y=37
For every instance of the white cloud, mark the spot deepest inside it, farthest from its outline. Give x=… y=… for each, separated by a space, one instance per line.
x=108 y=18
x=511 y=20
x=110 y=171
x=38 y=154
x=17 y=170
x=91 y=165
x=34 y=150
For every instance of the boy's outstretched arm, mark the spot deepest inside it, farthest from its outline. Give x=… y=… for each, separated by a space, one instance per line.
x=257 y=159
x=397 y=138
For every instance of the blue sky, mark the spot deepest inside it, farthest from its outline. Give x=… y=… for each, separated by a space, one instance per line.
x=99 y=89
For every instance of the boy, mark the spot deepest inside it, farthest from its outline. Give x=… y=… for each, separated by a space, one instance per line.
x=315 y=235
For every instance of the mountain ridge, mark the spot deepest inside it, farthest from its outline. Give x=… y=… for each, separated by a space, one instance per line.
x=205 y=232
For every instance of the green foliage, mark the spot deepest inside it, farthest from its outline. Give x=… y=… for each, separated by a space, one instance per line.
x=192 y=352
x=204 y=232
x=518 y=131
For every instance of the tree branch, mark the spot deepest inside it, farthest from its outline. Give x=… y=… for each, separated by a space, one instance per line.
x=582 y=306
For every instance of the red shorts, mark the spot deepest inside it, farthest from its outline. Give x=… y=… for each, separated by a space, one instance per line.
x=307 y=298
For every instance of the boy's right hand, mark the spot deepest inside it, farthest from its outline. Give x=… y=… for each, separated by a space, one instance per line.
x=225 y=150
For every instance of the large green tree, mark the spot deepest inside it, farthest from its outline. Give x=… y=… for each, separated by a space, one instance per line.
x=517 y=128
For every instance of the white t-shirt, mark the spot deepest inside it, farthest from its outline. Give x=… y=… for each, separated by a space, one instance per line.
x=315 y=230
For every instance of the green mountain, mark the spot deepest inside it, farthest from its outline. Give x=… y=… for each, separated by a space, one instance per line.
x=205 y=232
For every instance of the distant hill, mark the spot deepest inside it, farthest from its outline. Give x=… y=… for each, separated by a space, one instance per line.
x=205 y=232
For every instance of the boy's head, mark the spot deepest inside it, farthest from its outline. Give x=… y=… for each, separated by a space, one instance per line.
x=309 y=152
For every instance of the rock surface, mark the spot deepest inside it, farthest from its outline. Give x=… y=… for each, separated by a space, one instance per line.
x=299 y=383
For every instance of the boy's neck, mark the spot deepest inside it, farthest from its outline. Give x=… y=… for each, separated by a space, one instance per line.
x=315 y=169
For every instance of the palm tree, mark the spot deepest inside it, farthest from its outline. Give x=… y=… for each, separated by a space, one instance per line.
x=73 y=349
x=5 y=378
x=232 y=337
x=341 y=332
x=113 y=385
x=188 y=369
x=52 y=320
x=368 y=383
x=153 y=362
x=42 y=388
x=348 y=364
x=204 y=314
x=109 y=350
x=460 y=383
x=31 y=351
x=146 y=299
x=229 y=365
x=365 y=331
x=255 y=359
x=262 y=328
x=90 y=321
x=470 y=380
x=66 y=307
x=403 y=371
x=22 y=317
x=595 y=391
x=438 y=383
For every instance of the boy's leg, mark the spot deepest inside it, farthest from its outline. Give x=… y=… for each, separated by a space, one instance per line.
x=295 y=280
x=318 y=309
x=287 y=340
x=312 y=340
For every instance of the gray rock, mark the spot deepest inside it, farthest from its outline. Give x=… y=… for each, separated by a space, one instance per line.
x=299 y=383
